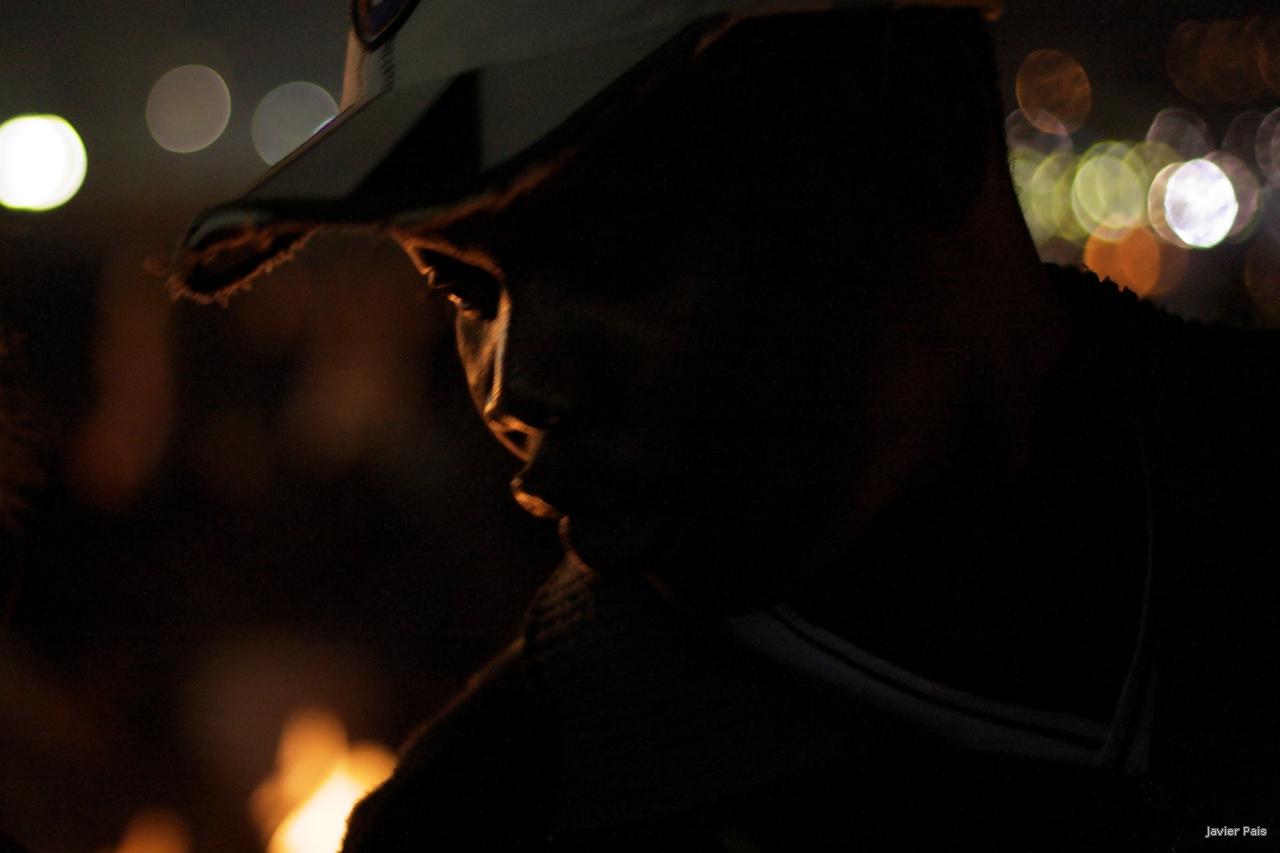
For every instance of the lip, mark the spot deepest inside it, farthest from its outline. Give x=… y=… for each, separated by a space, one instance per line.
x=603 y=520
x=532 y=503
x=544 y=493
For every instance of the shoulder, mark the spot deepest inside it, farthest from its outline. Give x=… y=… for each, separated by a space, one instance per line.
x=471 y=779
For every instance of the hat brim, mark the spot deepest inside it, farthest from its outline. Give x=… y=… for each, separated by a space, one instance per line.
x=418 y=151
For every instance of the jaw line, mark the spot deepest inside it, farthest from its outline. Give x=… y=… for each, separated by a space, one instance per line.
x=652 y=559
x=535 y=505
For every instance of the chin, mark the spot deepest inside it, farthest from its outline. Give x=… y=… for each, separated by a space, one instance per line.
x=637 y=544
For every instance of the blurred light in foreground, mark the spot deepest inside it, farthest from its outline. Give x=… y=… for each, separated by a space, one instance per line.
x=1267 y=147
x=1181 y=130
x=1053 y=91
x=288 y=116
x=1132 y=261
x=1108 y=197
x=42 y=162
x=188 y=109
x=155 y=832
x=318 y=780
x=1200 y=204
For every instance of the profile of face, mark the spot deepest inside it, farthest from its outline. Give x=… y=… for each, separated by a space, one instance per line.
x=674 y=334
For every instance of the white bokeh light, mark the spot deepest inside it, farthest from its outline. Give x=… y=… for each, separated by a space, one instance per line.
x=1200 y=204
x=42 y=162
x=188 y=109
x=288 y=116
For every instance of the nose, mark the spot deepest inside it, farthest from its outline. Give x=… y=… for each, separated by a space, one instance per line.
x=516 y=433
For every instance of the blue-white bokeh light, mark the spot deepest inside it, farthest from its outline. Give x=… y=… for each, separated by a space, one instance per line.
x=1200 y=204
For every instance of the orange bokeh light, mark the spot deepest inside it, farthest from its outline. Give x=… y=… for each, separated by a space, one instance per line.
x=303 y=807
x=1183 y=61
x=1052 y=82
x=155 y=832
x=1137 y=261
x=1231 y=60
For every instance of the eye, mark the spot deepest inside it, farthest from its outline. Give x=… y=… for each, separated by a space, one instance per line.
x=472 y=290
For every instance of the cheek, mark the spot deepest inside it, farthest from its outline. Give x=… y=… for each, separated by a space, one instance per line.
x=790 y=396
x=479 y=345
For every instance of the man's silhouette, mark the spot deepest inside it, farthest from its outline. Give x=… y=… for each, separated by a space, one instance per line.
x=879 y=533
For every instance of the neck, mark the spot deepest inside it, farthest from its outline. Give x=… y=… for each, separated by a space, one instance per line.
x=987 y=560
x=962 y=352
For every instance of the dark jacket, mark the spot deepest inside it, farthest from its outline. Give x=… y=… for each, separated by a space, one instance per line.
x=1133 y=705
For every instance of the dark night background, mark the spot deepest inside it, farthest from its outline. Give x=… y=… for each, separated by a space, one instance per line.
x=288 y=503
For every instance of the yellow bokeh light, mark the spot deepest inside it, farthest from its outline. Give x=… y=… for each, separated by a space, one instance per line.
x=42 y=162
x=188 y=108
x=1148 y=158
x=1022 y=166
x=1048 y=197
x=1108 y=197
